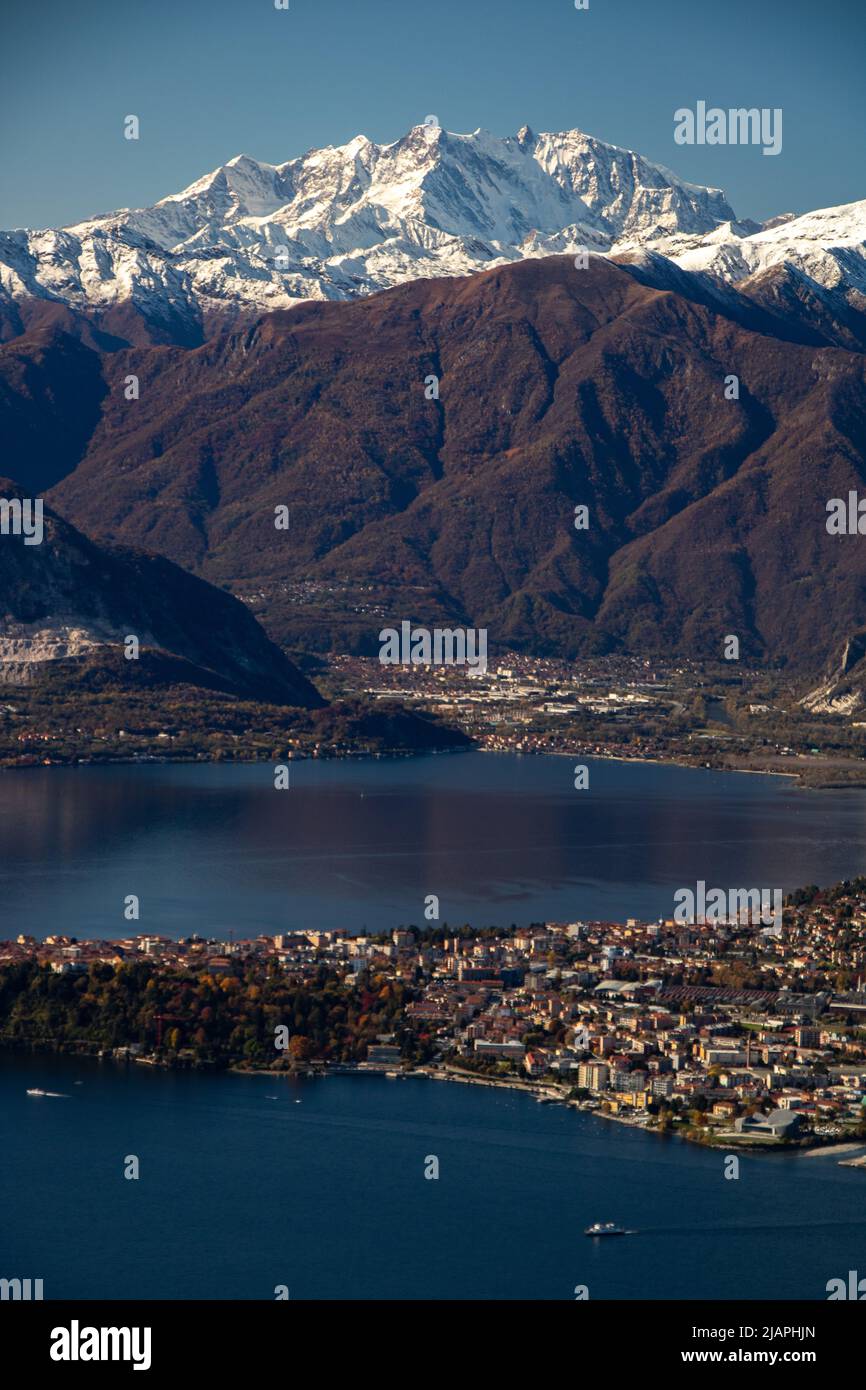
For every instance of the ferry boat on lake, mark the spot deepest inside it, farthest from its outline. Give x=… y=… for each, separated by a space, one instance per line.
x=604 y=1228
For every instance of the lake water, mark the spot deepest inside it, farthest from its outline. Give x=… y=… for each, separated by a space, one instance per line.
x=242 y=1189
x=360 y=844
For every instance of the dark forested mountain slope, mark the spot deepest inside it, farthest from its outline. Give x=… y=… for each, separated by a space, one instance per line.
x=558 y=388
x=65 y=600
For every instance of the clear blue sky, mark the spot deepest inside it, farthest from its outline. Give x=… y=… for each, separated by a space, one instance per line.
x=213 y=78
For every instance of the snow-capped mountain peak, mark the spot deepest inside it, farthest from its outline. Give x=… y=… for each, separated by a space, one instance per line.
x=346 y=220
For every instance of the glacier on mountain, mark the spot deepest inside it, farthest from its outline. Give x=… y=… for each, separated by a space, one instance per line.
x=345 y=221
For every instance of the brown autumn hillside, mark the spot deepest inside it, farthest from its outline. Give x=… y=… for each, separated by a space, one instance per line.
x=67 y=601
x=558 y=387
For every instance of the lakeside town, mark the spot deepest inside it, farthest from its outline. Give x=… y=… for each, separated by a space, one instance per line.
x=726 y=1032
x=698 y=714
x=724 y=715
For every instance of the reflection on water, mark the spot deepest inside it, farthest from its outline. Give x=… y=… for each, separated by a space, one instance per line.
x=498 y=838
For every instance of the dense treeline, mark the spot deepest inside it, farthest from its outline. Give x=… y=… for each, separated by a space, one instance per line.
x=838 y=892
x=204 y=1018
x=67 y=717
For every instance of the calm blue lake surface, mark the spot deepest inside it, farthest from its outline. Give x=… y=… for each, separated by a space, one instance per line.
x=242 y=1189
x=499 y=839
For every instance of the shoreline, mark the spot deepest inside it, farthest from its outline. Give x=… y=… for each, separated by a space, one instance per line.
x=667 y=762
x=854 y=1151
x=381 y=754
x=849 y=1146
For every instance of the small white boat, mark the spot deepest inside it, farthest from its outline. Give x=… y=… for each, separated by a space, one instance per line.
x=604 y=1228
x=35 y=1091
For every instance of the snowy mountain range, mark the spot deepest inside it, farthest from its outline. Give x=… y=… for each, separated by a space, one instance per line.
x=343 y=222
